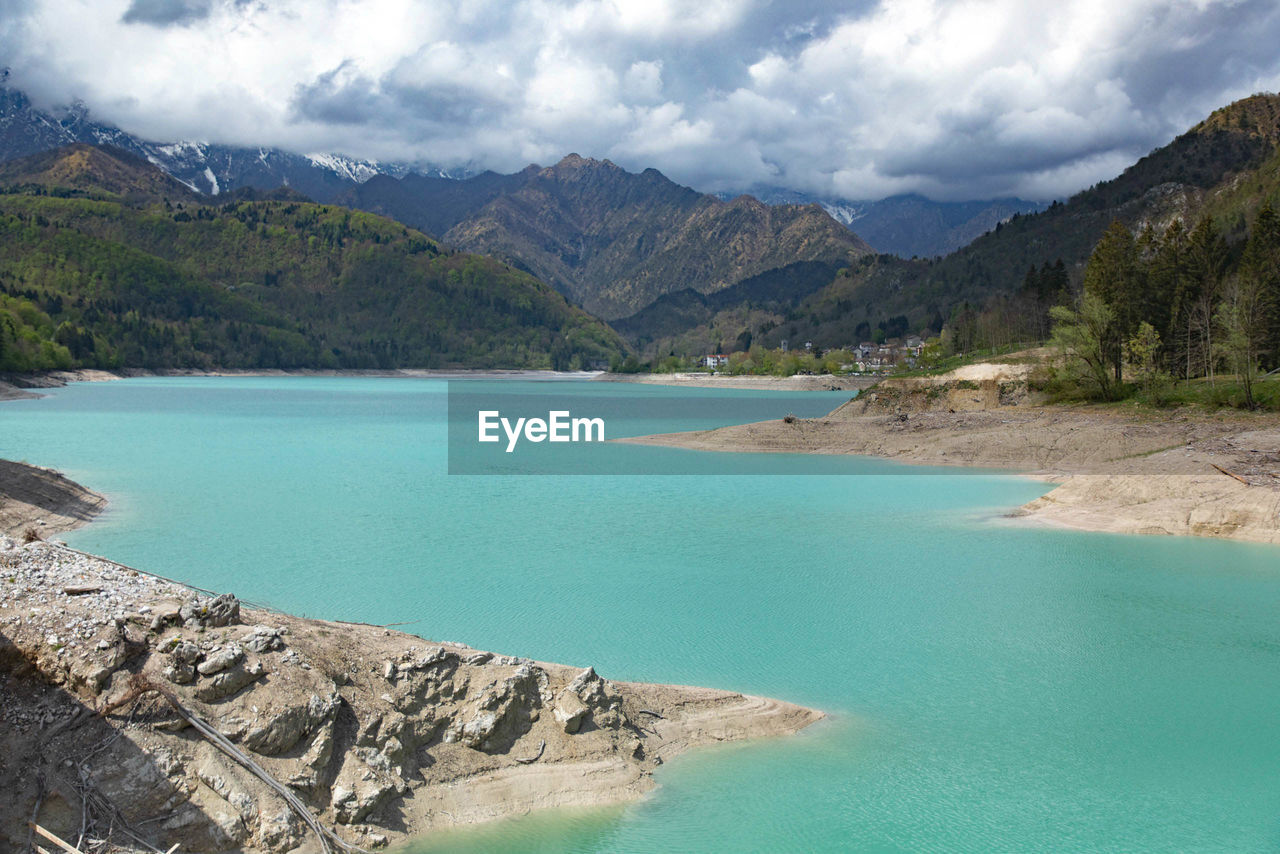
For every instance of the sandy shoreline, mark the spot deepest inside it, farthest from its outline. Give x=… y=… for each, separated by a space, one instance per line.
x=26 y=386
x=799 y=382
x=1121 y=472
x=382 y=734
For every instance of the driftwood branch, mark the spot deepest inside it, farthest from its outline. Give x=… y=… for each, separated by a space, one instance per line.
x=542 y=748
x=35 y=813
x=82 y=589
x=65 y=846
x=1231 y=474
x=326 y=837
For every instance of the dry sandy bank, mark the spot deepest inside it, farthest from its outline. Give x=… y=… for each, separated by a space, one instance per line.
x=823 y=382
x=1120 y=471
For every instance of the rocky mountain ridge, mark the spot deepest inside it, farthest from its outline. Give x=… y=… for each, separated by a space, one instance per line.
x=613 y=241
x=910 y=225
x=1225 y=167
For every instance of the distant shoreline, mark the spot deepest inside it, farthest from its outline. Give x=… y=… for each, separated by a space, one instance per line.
x=750 y=382
x=26 y=386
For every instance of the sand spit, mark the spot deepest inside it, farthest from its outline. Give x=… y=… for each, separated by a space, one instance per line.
x=381 y=735
x=1136 y=472
x=800 y=382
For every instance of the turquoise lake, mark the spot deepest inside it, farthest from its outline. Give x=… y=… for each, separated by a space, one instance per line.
x=991 y=686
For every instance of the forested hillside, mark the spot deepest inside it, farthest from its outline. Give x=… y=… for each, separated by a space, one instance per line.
x=1226 y=167
x=123 y=276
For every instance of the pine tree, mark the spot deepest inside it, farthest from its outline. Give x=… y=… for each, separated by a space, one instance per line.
x=1111 y=276
x=1169 y=286
x=1260 y=265
x=1207 y=256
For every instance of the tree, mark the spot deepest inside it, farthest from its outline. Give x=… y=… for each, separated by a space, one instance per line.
x=1112 y=277
x=931 y=354
x=1261 y=263
x=1207 y=256
x=1242 y=320
x=1143 y=350
x=1169 y=284
x=1083 y=337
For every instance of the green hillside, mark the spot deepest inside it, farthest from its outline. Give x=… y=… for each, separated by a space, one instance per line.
x=130 y=278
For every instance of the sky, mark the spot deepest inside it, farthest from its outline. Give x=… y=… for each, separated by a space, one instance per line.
x=953 y=99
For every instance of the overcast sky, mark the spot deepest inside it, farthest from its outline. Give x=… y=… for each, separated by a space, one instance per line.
x=951 y=98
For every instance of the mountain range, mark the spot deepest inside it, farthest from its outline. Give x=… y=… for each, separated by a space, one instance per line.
x=612 y=240
x=674 y=270
x=205 y=168
x=901 y=225
x=909 y=225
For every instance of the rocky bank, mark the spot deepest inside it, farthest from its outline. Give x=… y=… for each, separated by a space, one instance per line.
x=134 y=712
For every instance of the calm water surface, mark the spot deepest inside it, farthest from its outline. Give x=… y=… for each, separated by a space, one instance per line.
x=991 y=687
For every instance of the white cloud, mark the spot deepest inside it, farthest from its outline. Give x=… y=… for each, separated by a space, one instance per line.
x=643 y=81
x=955 y=98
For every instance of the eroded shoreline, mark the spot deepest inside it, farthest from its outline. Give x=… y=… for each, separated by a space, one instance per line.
x=1183 y=473
x=749 y=382
x=382 y=734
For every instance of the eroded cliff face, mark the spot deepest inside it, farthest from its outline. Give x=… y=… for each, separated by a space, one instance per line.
x=378 y=734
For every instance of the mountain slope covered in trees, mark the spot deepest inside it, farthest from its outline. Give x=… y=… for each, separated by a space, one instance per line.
x=1225 y=167
x=100 y=266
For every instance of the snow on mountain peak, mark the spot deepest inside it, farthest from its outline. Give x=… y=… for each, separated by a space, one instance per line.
x=181 y=149
x=353 y=170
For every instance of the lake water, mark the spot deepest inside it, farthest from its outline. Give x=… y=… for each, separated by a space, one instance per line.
x=992 y=687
